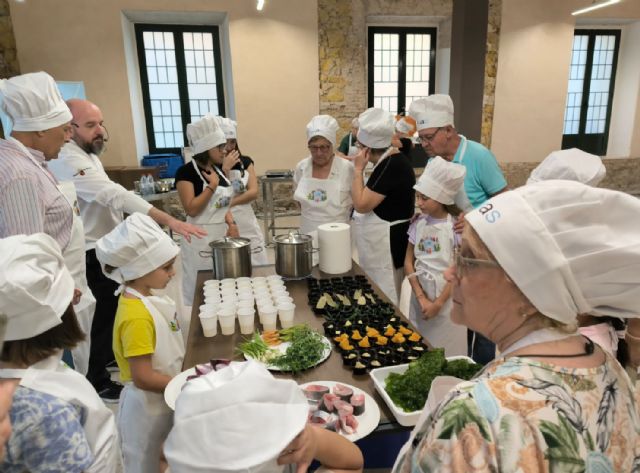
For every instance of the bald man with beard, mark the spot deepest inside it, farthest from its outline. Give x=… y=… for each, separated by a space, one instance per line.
x=102 y=204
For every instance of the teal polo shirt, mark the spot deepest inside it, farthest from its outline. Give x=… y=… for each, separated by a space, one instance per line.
x=484 y=177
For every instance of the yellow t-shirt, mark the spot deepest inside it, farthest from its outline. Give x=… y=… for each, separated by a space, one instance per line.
x=134 y=334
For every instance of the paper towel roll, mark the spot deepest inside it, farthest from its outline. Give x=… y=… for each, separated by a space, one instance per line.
x=334 y=240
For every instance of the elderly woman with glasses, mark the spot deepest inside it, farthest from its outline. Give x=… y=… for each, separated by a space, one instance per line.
x=531 y=260
x=322 y=180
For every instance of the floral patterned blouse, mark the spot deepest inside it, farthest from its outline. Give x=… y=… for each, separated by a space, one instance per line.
x=520 y=415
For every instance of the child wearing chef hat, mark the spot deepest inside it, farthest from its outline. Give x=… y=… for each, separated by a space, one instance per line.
x=430 y=252
x=147 y=342
x=242 y=419
x=59 y=422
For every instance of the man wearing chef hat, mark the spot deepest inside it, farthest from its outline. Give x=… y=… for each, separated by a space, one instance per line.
x=101 y=204
x=31 y=199
x=484 y=179
x=242 y=419
x=59 y=422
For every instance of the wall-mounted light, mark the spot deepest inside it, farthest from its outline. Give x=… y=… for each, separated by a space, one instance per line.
x=260 y=5
x=595 y=6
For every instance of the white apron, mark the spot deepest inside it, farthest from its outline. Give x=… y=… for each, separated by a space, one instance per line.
x=53 y=377
x=75 y=260
x=144 y=419
x=247 y=222
x=372 y=238
x=433 y=253
x=212 y=220
x=319 y=204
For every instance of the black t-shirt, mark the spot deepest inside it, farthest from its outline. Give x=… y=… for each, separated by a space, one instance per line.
x=186 y=172
x=394 y=178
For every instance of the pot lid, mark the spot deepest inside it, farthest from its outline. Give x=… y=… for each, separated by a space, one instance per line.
x=293 y=237
x=230 y=242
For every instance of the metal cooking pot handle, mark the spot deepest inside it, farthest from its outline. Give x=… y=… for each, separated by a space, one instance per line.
x=258 y=249
x=312 y=250
x=206 y=254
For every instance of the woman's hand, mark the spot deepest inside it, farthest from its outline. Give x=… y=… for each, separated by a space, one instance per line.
x=230 y=160
x=429 y=309
x=301 y=451
x=361 y=159
x=6 y=395
x=212 y=179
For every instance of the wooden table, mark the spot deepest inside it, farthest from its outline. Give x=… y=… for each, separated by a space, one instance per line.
x=201 y=349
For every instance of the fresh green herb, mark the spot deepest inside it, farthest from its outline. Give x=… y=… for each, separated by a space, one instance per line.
x=410 y=389
x=256 y=348
x=305 y=350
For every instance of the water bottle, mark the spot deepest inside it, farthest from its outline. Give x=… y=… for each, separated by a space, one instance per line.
x=152 y=184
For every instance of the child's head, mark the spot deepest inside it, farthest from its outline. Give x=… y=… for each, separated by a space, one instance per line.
x=137 y=250
x=438 y=185
x=36 y=290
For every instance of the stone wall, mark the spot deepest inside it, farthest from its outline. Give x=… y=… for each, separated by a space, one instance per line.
x=491 y=69
x=342 y=27
x=622 y=174
x=9 y=66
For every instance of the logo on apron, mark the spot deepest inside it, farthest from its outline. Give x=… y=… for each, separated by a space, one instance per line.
x=174 y=325
x=223 y=202
x=317 y=195
x=238 y=186
x=429 y=245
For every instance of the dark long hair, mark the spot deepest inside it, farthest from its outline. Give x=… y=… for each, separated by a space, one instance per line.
x=32 y=350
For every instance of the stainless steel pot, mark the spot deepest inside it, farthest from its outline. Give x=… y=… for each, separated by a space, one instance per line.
x=294 y=255
x=231 y=257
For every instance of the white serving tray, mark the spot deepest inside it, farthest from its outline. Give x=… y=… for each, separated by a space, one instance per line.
x=379 y=376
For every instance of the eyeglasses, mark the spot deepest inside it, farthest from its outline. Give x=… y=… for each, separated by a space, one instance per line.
x=429 y=138
x=322 y=148
x=464 y=264
x=92 y=126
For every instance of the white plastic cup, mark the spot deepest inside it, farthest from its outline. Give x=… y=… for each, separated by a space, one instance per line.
x=279 y=292
x=245 y=304
x=209 y=321
x=211 y=291
x=264 y=300
x=208 y=308
x=269 y=318
x=261 y=293
x=227 y=318
x=246 y=317
x=274 y=277
x=228 y=281
x=225 y=291
x=228 y=305
x=245 y=294
x=286 y=313
x=211 y=283
x=245 y=287
x=243 y=279
x=258 y=280
x=283 y=300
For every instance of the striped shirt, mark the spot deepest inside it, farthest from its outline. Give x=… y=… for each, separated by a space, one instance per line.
x=30 y=201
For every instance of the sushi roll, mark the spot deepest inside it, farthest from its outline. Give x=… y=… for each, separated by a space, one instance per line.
x=343 y=392
x=327 y=403
x=360 y=366
x=376 y=363
x=315 y=391
x=357 y=401
x=350 y=358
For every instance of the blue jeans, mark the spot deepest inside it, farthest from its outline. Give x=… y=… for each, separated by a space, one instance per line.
x=480 y=348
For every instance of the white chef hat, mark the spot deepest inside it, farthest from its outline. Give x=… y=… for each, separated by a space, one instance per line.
x=238 y=419
x=406 y=125
x=33 y=102
x=323 y=125
x=572 y=165
x=205 y=134
x=36 y=287
x=570 y=248
x=441 y=180
x=432 y=112
x=228 y=126
x=135 y=247
x=376 y=128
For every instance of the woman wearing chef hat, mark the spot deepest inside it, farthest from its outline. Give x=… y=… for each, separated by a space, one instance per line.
x=242 y=419
x=531 y=260
x=59 y=422
x=384 y=205
x=205 y=193
x=244 y=182
x=322 y=180
x=147 y=341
